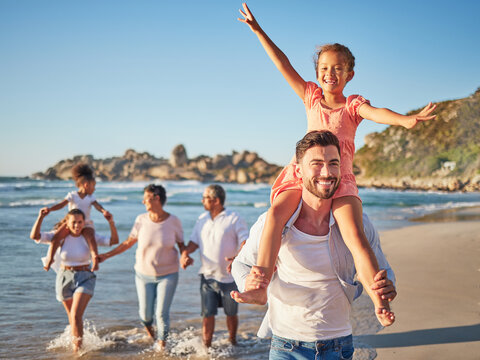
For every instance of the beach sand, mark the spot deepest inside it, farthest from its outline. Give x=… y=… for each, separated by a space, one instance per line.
x=437 y=266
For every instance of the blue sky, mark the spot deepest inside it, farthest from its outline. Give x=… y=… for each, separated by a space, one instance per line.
x=99 y=77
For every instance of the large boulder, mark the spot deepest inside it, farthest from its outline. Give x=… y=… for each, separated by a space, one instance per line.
x=179 y=156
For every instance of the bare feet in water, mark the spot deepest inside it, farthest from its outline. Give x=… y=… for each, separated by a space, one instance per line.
x=160 y=346
x=150 y=331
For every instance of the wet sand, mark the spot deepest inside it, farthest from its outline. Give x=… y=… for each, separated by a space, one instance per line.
x=438 y=281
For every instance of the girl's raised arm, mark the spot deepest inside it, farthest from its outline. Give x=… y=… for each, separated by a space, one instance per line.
x=35 y=232
x=276 y=55
x=389 y=117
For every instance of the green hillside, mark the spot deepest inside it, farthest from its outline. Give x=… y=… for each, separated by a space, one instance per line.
x=447 y=147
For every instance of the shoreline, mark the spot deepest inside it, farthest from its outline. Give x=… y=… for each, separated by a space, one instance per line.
x=464 y=213
x=471 y=188
x=438 y=282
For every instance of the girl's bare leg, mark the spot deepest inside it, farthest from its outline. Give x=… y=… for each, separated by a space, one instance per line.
x=89 y=235
x=348 y=213
x=60 y=234
x=281 y=211
x=79 y=304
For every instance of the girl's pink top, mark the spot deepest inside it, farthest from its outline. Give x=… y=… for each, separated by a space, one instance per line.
x=343 y=122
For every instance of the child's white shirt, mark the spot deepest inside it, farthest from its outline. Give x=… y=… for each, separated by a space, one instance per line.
x=85 y=204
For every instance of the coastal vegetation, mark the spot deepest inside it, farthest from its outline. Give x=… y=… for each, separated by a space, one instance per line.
x=441 y=154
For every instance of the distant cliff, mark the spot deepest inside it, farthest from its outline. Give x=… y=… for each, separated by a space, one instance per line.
x=244 y=167
x=442 y=154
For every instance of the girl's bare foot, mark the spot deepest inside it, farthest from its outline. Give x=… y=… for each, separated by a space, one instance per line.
x=256 y=296
x=384 y=316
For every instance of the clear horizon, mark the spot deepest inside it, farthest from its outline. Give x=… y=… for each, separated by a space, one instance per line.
x=100 y=77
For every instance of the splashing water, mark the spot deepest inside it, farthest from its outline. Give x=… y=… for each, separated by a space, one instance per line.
x=91 y=340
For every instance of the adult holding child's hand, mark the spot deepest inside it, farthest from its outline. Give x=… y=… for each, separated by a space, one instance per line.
x=157 y=232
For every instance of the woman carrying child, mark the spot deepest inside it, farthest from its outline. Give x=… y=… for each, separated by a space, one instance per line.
x=75 y=282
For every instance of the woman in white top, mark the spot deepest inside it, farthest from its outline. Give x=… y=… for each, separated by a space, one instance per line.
x=75 y=282
x=157 y=232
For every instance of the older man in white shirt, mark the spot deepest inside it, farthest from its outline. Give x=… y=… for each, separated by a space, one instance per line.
x=218 y=234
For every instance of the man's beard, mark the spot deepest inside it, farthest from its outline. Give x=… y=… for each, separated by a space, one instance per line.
x=309 y=185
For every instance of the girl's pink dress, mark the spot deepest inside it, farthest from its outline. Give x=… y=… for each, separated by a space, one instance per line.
x=343 y=122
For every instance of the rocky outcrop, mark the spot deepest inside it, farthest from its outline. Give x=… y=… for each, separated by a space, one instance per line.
x=243 y=167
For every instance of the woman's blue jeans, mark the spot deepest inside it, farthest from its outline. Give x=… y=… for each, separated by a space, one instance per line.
x=159 y=290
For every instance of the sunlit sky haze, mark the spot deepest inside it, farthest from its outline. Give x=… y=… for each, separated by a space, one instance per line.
x=99 y=77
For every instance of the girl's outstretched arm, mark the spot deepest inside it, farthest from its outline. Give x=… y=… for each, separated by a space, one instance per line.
x=101 y=209
x=389 y=117
x=276 y=55
x=58 y=206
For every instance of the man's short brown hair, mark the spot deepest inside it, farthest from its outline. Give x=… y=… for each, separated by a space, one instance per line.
x=315 y=138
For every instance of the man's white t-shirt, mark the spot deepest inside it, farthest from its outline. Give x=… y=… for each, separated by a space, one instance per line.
x=306 y=300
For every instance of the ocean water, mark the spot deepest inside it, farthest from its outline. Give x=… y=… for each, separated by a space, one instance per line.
x=33 y=325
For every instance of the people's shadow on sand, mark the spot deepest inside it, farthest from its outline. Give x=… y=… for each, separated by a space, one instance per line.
x=446 y=335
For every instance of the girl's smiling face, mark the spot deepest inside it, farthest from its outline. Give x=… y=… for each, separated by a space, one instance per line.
x=333 y=72
x=75 y=223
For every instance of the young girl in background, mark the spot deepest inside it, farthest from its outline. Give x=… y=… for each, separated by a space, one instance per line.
x=327 y=109
x=82 y=199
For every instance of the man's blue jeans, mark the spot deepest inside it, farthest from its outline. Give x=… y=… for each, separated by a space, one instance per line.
x=333 y=349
